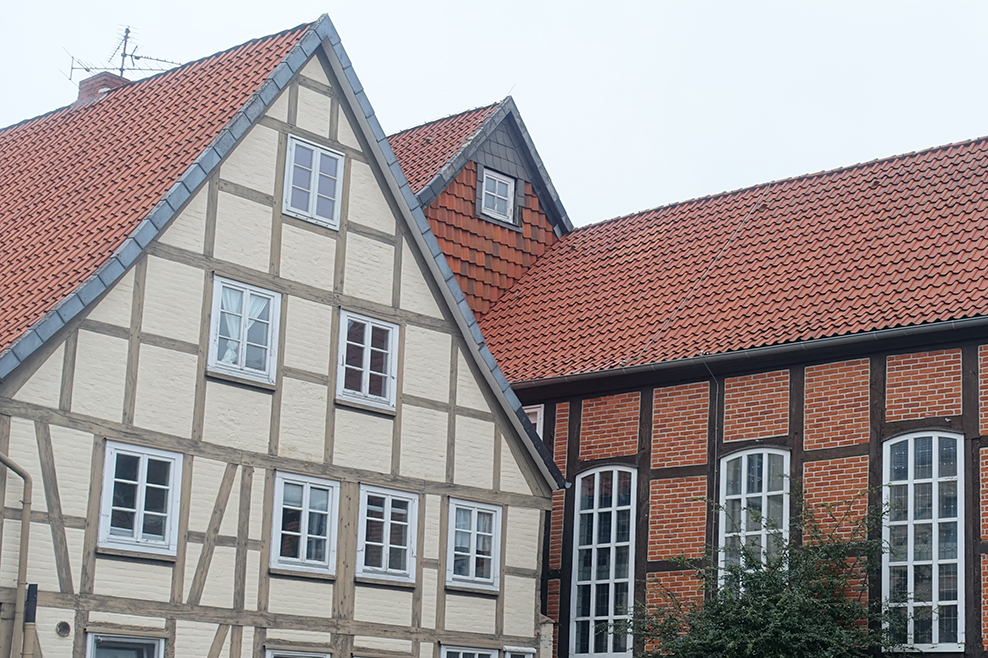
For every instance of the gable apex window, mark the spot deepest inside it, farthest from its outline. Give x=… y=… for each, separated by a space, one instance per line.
x=243 y=334
x=368 y=360
x=313 y=180
x=497 y=196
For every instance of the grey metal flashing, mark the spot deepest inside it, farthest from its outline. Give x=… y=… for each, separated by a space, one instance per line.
x=507 y=108
x=170 y=204
x=429 y=246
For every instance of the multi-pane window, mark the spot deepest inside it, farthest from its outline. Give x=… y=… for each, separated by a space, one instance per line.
x=305 y=523
x=386 y=536
x=368 y=360
x=460 y=652
x=115 y=646
x=474 y=544
x=604 y=557
x=313 y=183
x=244 y=330
x=497 y=196
x=754 y=499
x=139 y=506
x=924 y=565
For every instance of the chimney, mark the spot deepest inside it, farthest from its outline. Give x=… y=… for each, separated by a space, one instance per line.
x=93 y=88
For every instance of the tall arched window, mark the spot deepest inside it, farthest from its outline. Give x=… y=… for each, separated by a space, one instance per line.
x=754 y=504
x=603 y=561
x=923 y=568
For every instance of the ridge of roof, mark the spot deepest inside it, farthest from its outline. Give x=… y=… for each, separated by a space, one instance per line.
x=442 y=119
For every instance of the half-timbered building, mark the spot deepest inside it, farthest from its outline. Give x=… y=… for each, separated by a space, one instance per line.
x=256 y=410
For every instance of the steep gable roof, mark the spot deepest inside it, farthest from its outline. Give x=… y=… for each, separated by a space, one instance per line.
x=898 y=242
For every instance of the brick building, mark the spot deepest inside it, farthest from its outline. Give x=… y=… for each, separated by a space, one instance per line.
x=826 y=333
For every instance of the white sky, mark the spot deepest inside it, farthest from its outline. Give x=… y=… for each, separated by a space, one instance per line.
x=631 y=104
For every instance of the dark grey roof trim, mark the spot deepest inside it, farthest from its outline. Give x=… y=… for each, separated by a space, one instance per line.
x=173 y=200
x=462 y=313
x=452 y=168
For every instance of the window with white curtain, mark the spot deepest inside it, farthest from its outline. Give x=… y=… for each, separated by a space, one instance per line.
x=304 y=523
x=754 y=505
x=244 y=330
x=313 y=181
x=923 y=568
x=604 y=559
x=368 y=360
x=474 y=546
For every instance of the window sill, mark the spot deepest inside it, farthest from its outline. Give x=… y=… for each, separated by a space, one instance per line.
x=500 y=222
x=134 y=553
x=322 y=223
x=283 y=572
x=366 y=406
x=384 y=582
x=476 y=590
x=240 y=379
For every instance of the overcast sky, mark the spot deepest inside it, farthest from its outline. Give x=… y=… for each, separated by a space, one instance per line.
x=631 y=104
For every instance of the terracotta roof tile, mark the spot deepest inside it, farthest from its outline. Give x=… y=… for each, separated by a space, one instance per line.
x=884 y=244
x=75 y=182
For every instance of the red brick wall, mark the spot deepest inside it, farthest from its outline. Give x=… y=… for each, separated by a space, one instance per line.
x=983 y=387
x=677 y=518
x=560 y=446
x=984 y=493
x=756 y=406
x=560 y=436
x=923 y=385
x=684 y=585
x=836 y=404
x=609 y=426
x=485 y=257
x=552 y=611
x=837 y=491
x=679 y=425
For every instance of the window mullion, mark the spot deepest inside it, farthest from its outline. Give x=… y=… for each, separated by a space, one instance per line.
x=142 y=480
x=303 y=540
x=474 y=535
x=245 y=307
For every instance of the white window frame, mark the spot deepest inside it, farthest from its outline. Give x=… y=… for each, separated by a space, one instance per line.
x=408 y=574
x=301 y=563
x=764 y=530
x=494 y=582
x=911 y=481
x=269 y=374
x=275 y=653
x=309 y=214
x=364 y=396
x=518 y=652
x=137 y=542
x=490 y=212
x=594 y=511
x=158 y=642
x=490 y=653
x=536 y=414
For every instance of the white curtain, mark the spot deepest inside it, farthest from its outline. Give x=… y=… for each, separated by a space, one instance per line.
x=231 y=302
x=257 y=307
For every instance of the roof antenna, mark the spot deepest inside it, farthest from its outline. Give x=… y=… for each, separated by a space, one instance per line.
x=128 y=53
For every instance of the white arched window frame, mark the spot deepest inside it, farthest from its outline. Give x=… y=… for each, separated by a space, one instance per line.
x=923 y=566
x=754 y=504
x=603 y=561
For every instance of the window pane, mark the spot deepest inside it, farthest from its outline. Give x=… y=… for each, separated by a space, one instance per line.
x=754 y=475
x=123 y=648
x=485 y=522
x=898 y=502
x=606 y=482
x=898 y=584
x=461 y=541
x=289 y=545
x=586 y=529
x=600 y=634
x=623 y=526
x=732 y=550
x=490 y=185
x=399 y=534
x=948 y=457
x=299 y=199
x=319 y=499
x=948 y=541
x=776 y=474
x=923 y=457
x=354 y=355
x=399 y=510
x=317 y=524
x=327 y=188
x=483 y=569
x=463 y=519
x=502 y=189
x=291 y=520
x=380 y=338
x=375 y=531
x=899 y=461
x=489 y=201
x=624 y=489
x=603 y=527
x=127 y=466
x=231 y=300
x=125 y=495
x=584 y=562
x=620 y=642
x=948 y=623
x=485 y=545
x=373 y=556
x=325 y=207
x=733 y=513
x=121 y=523
x=154 y=526
x=603 y=600
x=948 y=500
x=293 y=494
x=603 y=563
x=303 y=156
x=461 y=565
x=257 y=358
x=352 y=379
x=621 y=564
x=620 y=598
x=228 y=351
x=328 y=164
x=923 y=582
x=158 y=471
x=378 y=360
x=775 y=516
x=948 y=582
x=229 y=325
x=257 y=332
x=922 y=625
x=923 y=494
x=583 y=632
x=260 y=308
x=156 y=500
x=316 y=549
x=397 y=561
x=355 y=331
x=586 y=492
x=734 y=477
x=923 y=541
x=753 y=512
x=377 y=385
x=899 y=542
x=301 y=177
x=501 y=206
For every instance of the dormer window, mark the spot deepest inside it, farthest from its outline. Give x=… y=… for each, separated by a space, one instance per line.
x=497 y=196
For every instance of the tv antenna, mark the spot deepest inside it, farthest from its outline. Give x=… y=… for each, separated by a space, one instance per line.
x=129 y=60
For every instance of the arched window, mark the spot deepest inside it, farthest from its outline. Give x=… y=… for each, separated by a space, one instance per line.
x=923 y=567
x=754 y=504
x=603 y=561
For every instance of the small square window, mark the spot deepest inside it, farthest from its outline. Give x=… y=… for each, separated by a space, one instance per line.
x=463 y=652
x=474 y=546
x=367 y=361
x=139 y=505
x=118 y=646
x=497 y=196
x=386 y=536
x=536 y=413
x=243 y=336
x=313 y=180
x=304 y=524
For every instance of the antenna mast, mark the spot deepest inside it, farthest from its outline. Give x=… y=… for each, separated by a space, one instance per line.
x=129 y=60
x=123 y=51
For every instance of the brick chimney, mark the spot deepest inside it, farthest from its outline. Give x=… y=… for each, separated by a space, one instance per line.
x=92 y=88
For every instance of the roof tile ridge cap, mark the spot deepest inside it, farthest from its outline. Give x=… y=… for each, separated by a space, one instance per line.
x=151 y=225
x=445 y=118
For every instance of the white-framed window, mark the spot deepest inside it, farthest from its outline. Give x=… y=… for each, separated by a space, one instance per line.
x=536 y=414
x=386 y=536
x=604 y=555
x=243 y=335
x=474 y=546
x=304 y=524
x=754 y=505
x=519 y=652
x=497 y=196
x=463 y=652
x=923 y=570
x=368 y=360
x=313 y=182
x=274 y=653
x=140 y=500
x=123 y=646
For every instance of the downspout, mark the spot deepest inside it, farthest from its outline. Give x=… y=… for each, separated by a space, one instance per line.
x=21 y=600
